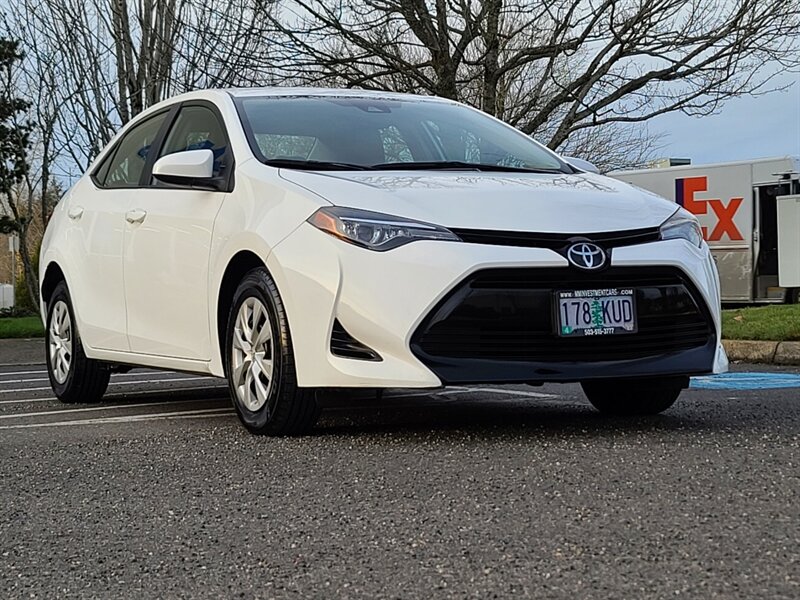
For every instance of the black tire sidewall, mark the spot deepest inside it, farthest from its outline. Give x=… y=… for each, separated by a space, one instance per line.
x=632 y=397
x=257 y=283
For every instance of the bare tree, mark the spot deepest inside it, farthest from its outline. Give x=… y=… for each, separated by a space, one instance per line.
x=114 y=58
x=560 y=70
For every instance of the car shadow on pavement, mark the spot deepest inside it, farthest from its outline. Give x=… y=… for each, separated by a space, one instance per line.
x=568 y=415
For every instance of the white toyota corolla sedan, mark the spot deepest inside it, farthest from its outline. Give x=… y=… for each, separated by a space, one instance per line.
x=298 y=240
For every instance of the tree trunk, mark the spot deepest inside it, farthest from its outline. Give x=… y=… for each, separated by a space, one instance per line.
x=31 y=279
x=491 y=65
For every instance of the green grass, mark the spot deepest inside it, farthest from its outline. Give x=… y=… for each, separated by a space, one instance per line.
x=21 y=327
x=780 y=323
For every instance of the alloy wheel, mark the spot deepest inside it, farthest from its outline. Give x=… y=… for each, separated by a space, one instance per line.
x=252 y=355
x=60 y=341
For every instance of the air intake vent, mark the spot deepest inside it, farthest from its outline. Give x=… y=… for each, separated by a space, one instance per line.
x=345 y=345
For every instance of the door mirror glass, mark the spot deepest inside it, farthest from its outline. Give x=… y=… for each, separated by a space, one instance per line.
x=194 y=168
x=583 y=165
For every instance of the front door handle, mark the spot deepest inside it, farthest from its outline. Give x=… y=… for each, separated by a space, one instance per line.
x=136 y=215
x=75 y=212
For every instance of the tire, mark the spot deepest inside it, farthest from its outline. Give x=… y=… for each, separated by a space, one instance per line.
x=793 y=296
x=628 y=397
x=265 y=394
x=73 y=377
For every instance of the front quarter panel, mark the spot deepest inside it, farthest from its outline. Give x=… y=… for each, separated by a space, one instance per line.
x=261 y=212
x=50 y=252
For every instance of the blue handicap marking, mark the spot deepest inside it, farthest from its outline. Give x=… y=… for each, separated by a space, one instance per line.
x=746 y=381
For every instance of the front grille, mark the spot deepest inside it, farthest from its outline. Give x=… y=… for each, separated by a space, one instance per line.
x=508 y=315
x=557 y=241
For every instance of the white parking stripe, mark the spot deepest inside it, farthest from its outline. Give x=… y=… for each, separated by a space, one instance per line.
x=124 y=394
x=188 y=414
x=117 y=383
x=44 y=372
x=428 y=393
x=167 y=377
x=516 y=393
x=30 y=400
x=31 y=372
x=45 y=413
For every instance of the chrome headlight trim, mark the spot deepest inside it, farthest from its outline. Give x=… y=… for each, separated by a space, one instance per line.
x=682 y=225
x=376 y=231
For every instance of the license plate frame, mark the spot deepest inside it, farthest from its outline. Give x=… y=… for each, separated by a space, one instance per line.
x=575 y=325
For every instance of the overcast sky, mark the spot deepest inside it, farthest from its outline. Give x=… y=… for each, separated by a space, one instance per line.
x=746 y=128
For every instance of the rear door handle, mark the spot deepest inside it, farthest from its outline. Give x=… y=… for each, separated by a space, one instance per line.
x=75 y=212
x=136 y=215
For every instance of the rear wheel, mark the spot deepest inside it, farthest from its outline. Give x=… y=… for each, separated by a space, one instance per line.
x=793 y=296
x=260 y=362
x=623 y=397
x=73 y=376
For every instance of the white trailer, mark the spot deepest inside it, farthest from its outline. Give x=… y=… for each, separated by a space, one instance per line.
x=750 y=215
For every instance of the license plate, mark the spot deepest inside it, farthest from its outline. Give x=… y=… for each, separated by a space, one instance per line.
x=595 y=312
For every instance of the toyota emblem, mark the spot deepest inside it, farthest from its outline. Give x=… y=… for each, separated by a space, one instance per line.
x=585 y=255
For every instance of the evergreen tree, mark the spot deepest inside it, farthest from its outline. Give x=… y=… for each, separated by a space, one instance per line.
x=14 y=166
x=14 y=136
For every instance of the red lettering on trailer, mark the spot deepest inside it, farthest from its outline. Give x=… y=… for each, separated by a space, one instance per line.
x=725 y=225
x=687 y=187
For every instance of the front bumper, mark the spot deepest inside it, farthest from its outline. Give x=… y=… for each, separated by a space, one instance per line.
x=498 y=325
x=387 y=300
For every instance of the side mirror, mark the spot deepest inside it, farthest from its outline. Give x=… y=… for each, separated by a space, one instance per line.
x=583 y=165
x=190 y=168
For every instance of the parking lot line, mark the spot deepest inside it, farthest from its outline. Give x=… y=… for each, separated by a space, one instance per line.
x=31 y=372
x=743 y=381
x=167 y=377
x=45 y=413
x=138 y=373
x=124 y=394
x=187 y=414
x=515 y=392
x=114 y=383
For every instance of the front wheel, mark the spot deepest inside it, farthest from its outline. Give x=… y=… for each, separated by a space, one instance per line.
x=260 y=362
x=73 y=376
x=626 y=397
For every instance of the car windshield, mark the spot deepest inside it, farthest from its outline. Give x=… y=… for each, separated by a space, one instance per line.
x=352 y=133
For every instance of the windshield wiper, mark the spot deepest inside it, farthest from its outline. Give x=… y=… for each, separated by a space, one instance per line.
x=314 y=165
x=443 y=165
x=455 y=165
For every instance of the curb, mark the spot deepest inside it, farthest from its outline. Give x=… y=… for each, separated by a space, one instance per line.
x=777 y=353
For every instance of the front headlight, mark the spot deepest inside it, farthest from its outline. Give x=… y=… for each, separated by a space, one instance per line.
x=682 y=226
x=376 y=231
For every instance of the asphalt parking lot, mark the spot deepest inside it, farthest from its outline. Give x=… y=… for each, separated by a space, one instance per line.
x=467 y=492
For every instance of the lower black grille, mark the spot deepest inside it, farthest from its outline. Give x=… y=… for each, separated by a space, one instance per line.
x=507 y=315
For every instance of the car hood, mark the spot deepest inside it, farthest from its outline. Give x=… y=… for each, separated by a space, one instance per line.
x=546 y=203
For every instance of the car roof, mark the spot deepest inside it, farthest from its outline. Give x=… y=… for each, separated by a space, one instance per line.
x=287 y=92
x=324 y=92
